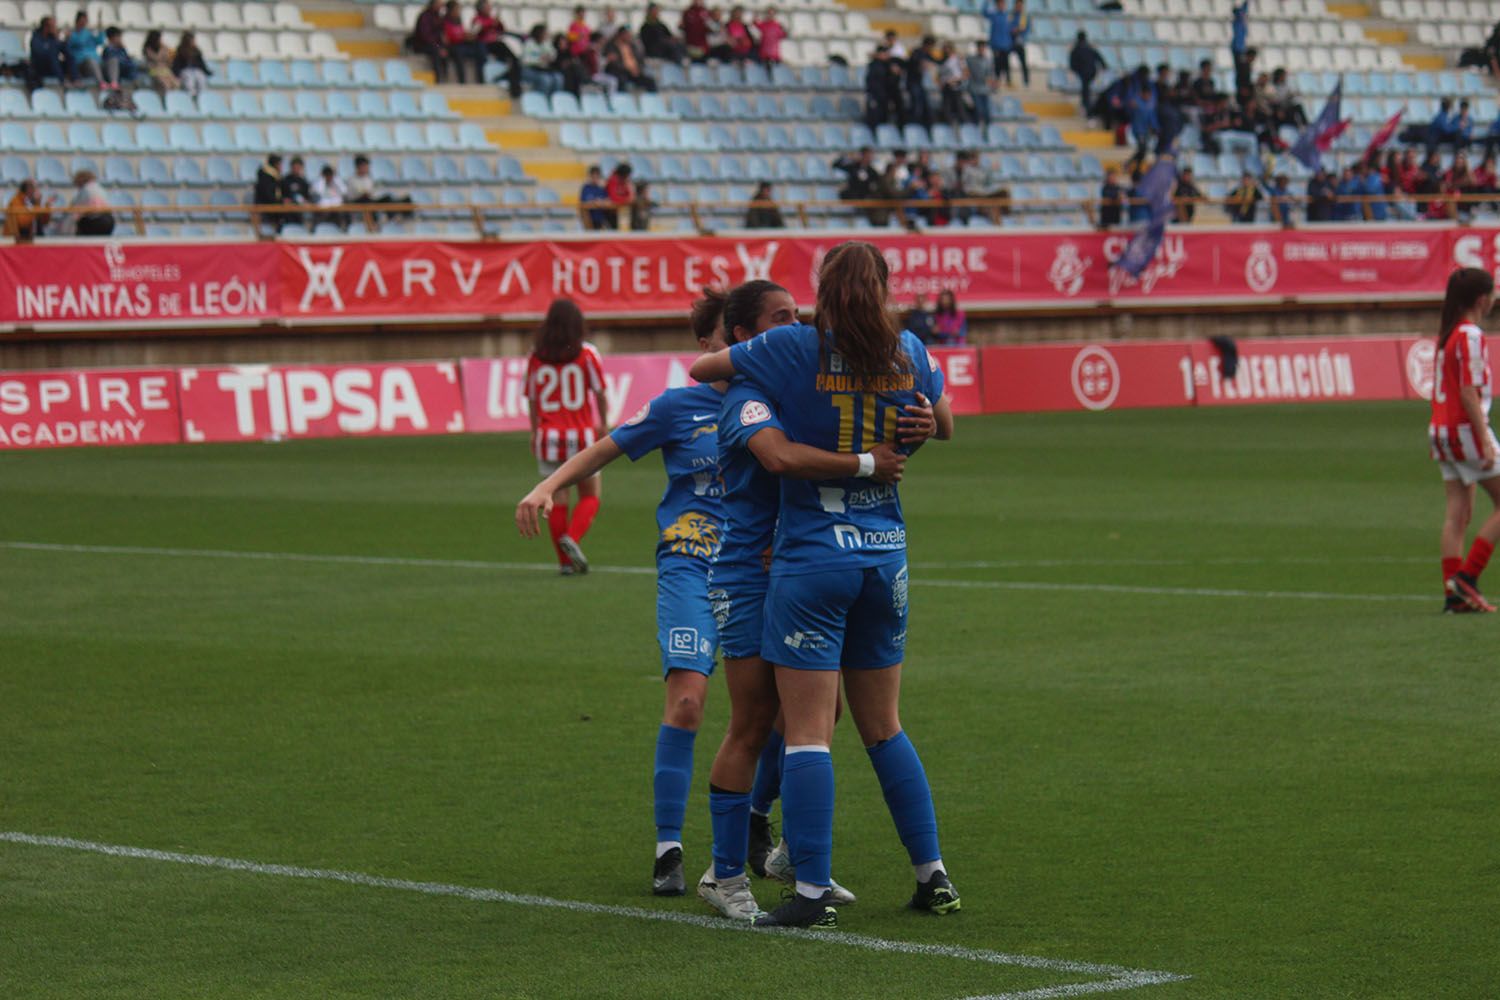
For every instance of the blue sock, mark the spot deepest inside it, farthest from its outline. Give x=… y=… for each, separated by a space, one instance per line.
x=767 y=775
x=807 y=813
x=731 y=816
x=674 y=771
x=907 y=796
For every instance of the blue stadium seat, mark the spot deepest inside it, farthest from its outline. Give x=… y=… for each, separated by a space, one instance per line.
x=672 y=169
x=337 y=74
x=377 y=137
x=367 y=74
x=573 y=135
x=119 y=171
x=273 y=73
x=241 y=73
x=654 y=106
x=731 y=168
x=179 y=104
x=398 y=74
x=944 y=137
x=183 y=137
x=283 y=137
x=469 y=137
x=404 y=105
x=693 y=137
x=787 y=169
x=719 y=137
x=346 y=135
x=242 y=103
x=535 y=105
x=155 y=173
x=314 y=138
x=660 y=135
x=217 y=138
x=738 y=106
x=221 y=172
x=701 y=168
x=159 y=202
x=670 y=76
x=306 y=73
x=565 y=105
x=47 y=104
x=309 y=104
x=512 y=172
x=445 y=170
x=710 y=107
x=435 y=105
x=413 y=170
x=625 y=105
x=480 y=170
x=81 y=104
x=683 y=107
x=699 y=76
x=602 y=135
x=186 y=171
x=212 y=104
x=50 y=171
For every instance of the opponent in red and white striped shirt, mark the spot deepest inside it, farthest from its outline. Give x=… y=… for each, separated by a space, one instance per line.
x=565 y=394
x=1462 y=443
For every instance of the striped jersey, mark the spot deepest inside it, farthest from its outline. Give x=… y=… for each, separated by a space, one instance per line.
x=562 y=397
x=1462 y=361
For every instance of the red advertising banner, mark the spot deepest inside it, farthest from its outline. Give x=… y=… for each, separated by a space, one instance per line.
x=1417 y=356
x=1086 y=376
x=272 y=402
x=1300 y=370
x=961 y=376
x=495 y=388
x=87 y=284
x=62 y=408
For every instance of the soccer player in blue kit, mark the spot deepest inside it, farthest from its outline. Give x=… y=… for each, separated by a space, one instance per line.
x=681 y=424
x=838 y=595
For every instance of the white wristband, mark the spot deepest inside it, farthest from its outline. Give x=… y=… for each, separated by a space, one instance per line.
x=866 y=465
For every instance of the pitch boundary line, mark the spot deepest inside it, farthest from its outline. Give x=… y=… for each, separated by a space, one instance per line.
x=479 y=564
x=1118 y=977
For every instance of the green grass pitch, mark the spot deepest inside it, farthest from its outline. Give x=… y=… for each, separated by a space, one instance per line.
x=1178 y=677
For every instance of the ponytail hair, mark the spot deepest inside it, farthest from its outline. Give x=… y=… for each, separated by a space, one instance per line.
x=707 y=312
x=1466 y=286
x=852 y=310
x=560 y=337
x=743 y=305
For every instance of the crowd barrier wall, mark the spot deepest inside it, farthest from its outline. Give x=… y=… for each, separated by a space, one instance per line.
x=62 y=408
x=120 y=285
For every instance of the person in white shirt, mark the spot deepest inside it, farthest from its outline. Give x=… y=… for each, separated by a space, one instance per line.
x=360 y=190
x=328 y=192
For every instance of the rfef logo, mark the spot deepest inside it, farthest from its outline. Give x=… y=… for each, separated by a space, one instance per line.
x=1096 y=378
x=1419 y=361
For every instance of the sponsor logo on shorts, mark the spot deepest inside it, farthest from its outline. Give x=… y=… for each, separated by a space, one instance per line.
x=898 y=639
x=722 y=604
x=898 y=591
x=754 y=412
x=806 y=640
x=682 y=642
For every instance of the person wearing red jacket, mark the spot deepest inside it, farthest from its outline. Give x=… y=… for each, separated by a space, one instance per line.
x=695 y=30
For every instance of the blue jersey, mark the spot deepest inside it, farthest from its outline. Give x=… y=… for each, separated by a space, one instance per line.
x=752 y=496
x=836 y=523
x=683 y=424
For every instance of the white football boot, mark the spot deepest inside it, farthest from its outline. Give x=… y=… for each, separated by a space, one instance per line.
x=779 y=867
x=730 y=896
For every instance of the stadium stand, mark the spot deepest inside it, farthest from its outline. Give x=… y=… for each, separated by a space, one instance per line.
x=310 y=83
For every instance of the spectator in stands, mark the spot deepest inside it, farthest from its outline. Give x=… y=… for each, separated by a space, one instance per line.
x=361 y=191
x=1085 y=62
x=268 y=190
x=574 y=71
x=919 y=319
x=980 y=75
x=1348 y=191
x=46 y=54
x=1000 y=39
x=737 y=34
x=641 y=207
x=1376 y=208
x=657 y=38
x=951 y=80
x=1443 y=126
x=1111 y=200
x=1281 y=201
x=1139 y=208
x=83 y=50
x=1492 y=51
x=1456 y=182
x=918 y=70
x=26 y=216
x=328 y=192
x=295 y=190
x=886 y=188
x=1283 y=102
x=1483 y=180
x=1320 y=196
x=1463 y=127
x=1239 y=51
x=609 y=22
x=1242 y=201
x=859 y=173
x=1205 y=87
x=770 y=33
x=939 y=214
x=537 y=56
x=93 y=217
x=489 y=35
x=625 y=60
x=115 y=62
x=1492 y=137
x=718 y=37
x=460 y=45
x=882 y=94
x=1144 y=122
x=1186 y=195
x=188 y=65
x=892 y=41
x=763 y=212
x=593 y=201
x=950 y=327
x=579 y=37
x=620 y=192
x=694 y=27
x=593 y=65
x=428 y=39
x=1020 y=30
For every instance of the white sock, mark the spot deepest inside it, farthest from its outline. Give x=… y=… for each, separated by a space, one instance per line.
x=757 y=812
x=663 y=846
x=926 y=869
x=811 y=891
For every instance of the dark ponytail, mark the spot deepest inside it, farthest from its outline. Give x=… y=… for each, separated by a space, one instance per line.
x=743 y=305
x=707 y=312
x=1466 y=286
x=852 y=289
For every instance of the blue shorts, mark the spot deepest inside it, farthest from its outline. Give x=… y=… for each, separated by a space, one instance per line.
x=849 y=618
x=685 y=627
x=738 y=596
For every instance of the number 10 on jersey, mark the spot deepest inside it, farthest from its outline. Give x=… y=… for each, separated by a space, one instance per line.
x=863 y=411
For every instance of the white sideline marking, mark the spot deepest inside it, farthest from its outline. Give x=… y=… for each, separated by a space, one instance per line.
x=1105 y=588
x=1119 y=977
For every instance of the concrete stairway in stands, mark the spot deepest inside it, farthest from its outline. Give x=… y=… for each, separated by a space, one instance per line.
x=1391 y=34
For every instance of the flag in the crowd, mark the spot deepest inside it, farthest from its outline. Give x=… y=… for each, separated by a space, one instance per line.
x=1383 y=136
x=1320 y=134
x=1156 y=188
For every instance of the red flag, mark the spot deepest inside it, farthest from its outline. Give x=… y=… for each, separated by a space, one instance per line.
x=1382 y=137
